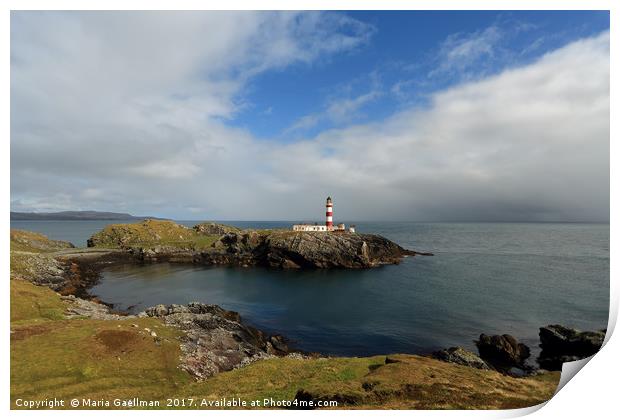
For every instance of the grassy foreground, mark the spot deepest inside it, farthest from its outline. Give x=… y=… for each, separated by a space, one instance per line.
x=55 y=357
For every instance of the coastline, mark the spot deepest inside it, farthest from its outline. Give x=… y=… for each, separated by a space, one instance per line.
x=84 y=266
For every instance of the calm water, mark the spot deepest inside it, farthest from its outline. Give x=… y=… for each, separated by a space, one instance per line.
x=488 y=277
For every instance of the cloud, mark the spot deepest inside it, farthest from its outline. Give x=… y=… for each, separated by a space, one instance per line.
x=531 y=143
x=340 y=111
x=115 y=112
x=132 y=103
x=343 y=106
x=467 y=56
x=304 y=123
x=460 y=52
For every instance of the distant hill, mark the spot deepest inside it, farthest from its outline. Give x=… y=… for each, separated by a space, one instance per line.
x=78 y=215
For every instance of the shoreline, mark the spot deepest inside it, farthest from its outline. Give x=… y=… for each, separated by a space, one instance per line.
x=82 y=269
x=86 y=264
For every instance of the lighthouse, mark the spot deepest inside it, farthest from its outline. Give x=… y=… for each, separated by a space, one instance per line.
x=329 y=212
x=329 y=222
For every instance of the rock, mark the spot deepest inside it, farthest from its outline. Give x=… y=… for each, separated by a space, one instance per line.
x=82 y=308
x=286 y=263
x=328 y=250
x=40 y=269
x=297 y=356
x=153 y=334
x=502 y=351
x=212 y=228
x=461 y=356
x=279 y=343
x=159 y=310
x=215 y=339
x=560 y=344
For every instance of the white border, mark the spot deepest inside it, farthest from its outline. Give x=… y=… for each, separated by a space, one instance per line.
x=593 y=394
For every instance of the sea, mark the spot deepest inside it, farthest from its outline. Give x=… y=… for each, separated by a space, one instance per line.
x=492 y=278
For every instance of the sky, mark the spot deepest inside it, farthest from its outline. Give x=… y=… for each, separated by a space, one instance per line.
x=417 y=116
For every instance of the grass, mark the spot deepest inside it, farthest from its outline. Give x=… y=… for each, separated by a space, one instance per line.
x=33 y=305
x=25 y=241
x=52 y=356
x=415 y=383
x=94 y=359
x=55 y=357
x=151 y=233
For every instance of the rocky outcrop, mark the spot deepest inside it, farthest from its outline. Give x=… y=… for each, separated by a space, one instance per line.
x=503 y=352
x=212 y=228
x=329 y=250
x=215 y=339
x=461 y=356
x=286 y=249
x=82 y=308
x=165 y=241
x=560 y=344
x=39 y=269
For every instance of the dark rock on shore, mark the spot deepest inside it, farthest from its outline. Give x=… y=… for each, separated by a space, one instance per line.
x=503 y=352
x=217 y=340
x=461 y=356
x=560 y=344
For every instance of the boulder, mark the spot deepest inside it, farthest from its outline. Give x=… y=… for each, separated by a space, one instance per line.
x=503 y=352
x=461 y=356
x=560 y=344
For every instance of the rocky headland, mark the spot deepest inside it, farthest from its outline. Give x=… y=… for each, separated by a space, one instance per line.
x=216 y=244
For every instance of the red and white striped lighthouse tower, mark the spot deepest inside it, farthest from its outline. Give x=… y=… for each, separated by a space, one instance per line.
x=329 y=212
